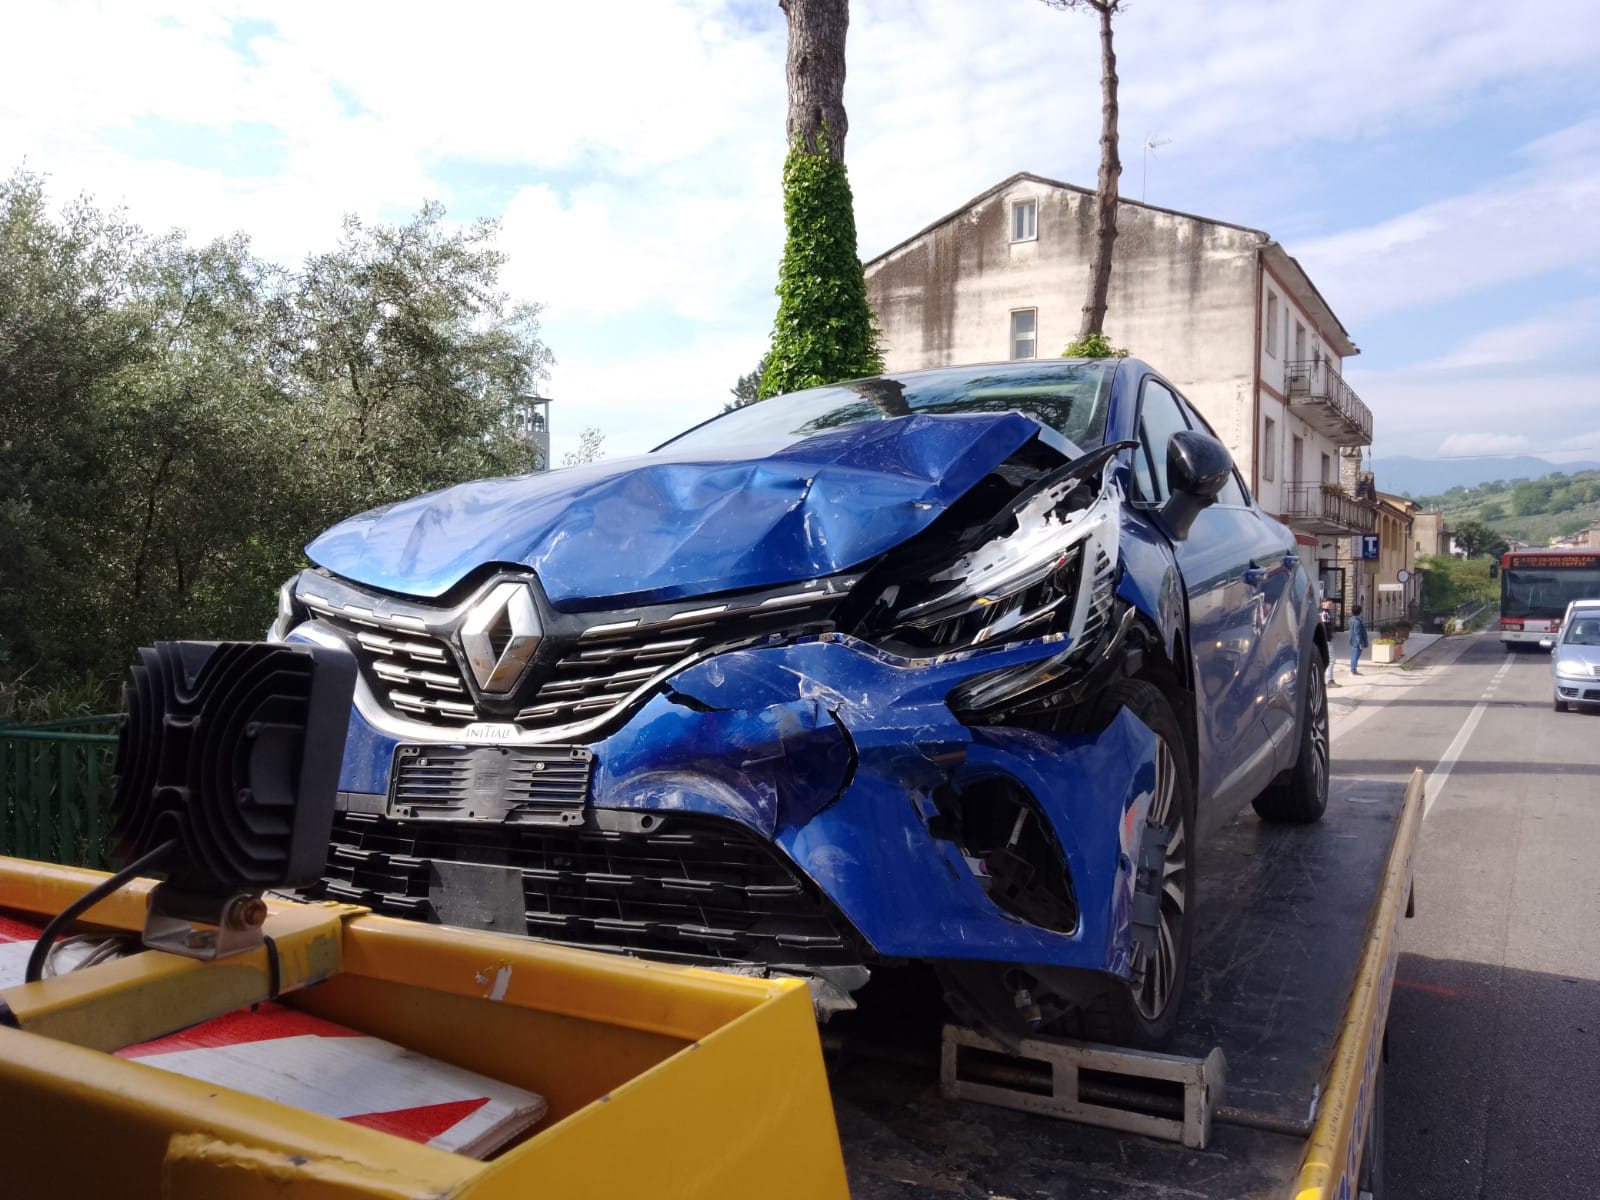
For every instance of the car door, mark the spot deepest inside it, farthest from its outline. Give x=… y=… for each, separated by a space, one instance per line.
x=1278 y=594
x=1218 y=562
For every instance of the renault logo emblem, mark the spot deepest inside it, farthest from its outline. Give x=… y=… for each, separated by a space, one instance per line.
x=500 y=634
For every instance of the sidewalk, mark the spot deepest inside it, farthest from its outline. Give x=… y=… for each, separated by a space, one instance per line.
x=1421 y=649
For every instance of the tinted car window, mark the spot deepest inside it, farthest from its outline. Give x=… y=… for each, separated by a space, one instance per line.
x=1069 y=397
x=1159 y=418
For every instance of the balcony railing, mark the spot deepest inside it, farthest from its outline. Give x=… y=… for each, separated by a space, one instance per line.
x=1323 y=400
x=1327 y=510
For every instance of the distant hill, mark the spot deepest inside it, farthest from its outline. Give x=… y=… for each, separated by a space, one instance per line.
x=1432 y=476
x=1530 y=510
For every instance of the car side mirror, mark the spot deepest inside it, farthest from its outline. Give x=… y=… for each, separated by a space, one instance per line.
x=1198 y=467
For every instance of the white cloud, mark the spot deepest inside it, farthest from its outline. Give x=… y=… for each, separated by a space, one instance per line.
x=1250 y=76
x=1561 y=332
x=640 y=144
x=1547 y=412
x=1513 y=228
x=1474 y=445
x=639 y=400
x=1526 y=387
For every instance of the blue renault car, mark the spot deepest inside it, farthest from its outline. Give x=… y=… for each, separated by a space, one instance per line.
x=960 y=666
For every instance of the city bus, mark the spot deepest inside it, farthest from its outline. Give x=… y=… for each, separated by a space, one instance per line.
x=1537 y=585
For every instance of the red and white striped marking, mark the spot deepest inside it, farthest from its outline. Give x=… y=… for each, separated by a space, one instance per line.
x=279 y=1053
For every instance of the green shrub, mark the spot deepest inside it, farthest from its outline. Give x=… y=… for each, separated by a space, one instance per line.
x=1092 y=345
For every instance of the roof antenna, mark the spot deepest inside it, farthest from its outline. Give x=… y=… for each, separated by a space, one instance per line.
x=1150 y=144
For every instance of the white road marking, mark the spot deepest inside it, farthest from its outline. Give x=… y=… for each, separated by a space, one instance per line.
x=1441 y=773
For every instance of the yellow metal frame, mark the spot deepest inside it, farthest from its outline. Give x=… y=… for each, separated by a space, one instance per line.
x=1332 y=1157
x=666 y=1081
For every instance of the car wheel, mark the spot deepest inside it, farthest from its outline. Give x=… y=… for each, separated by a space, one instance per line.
x=1301 y=797
x=1561 y=706
x=1143 y=1011
x=1012 y=1000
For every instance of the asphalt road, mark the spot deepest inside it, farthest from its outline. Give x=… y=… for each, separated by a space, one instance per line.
x=1494 y=1072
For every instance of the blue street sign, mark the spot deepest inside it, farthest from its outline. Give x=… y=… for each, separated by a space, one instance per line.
x=1369 y=547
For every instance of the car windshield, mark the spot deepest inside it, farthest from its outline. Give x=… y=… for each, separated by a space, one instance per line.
x=1068 y=396
x=1532 y=592
x=1584 y=631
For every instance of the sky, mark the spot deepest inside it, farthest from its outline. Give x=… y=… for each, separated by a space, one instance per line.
x=1433 y=164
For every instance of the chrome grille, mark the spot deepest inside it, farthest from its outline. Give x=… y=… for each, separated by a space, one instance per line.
x=611 y=661
x=587 y=673
x=696 y=889
x=416 y=672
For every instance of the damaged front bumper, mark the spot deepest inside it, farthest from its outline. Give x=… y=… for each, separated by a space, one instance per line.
x=811 y=807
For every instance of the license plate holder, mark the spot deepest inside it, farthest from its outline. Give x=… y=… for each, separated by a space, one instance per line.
x=519 y=785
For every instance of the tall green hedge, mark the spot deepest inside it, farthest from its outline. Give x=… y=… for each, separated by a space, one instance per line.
x=825 y=330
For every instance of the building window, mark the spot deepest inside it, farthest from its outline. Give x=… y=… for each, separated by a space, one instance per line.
x=1327 y=469
x=1299 y=342
x=1269 y=448
x=1297 y=459
x=1272 y=325
x=1025 y=333
x=1025 y=222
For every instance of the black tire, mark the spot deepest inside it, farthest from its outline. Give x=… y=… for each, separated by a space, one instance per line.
x=1144 y=1010
x=1301 y=796
x=1561 y=706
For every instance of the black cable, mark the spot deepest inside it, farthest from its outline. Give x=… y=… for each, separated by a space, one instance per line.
x=41 y=948
x=274 y=968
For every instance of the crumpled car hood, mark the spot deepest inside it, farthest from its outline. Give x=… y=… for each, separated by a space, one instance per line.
x=668 y=526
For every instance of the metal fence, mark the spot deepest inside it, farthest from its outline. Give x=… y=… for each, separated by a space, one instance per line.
x=55 y=790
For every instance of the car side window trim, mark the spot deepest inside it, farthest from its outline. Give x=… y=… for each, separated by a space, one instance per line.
x=1152 y=479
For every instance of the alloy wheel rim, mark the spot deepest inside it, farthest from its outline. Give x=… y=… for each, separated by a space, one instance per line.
x=1159 y=970
x=1318 y=721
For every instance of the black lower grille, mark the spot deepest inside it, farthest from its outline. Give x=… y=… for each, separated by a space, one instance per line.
x=691 y=889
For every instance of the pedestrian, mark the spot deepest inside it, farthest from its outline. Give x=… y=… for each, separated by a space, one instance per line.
x=1326 y=617
x=1358 y=637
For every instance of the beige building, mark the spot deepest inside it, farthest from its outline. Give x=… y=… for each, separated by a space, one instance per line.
x=1394 y=597
x=1221 y=310
x=1587 y=538
x=1429 y=535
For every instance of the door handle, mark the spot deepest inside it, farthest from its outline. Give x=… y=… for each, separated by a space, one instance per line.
x=1253 y=574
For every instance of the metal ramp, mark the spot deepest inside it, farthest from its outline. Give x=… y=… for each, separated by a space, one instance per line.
x=1165 y=1096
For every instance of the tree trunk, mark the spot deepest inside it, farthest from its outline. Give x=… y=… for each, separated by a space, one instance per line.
x=816 y=72
x=1105 y=195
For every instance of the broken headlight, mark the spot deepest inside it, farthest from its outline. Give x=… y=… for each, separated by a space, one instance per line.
x=1046 y=565
x=290 y=613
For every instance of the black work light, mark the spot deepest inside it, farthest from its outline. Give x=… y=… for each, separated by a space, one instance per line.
x=227 y=767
